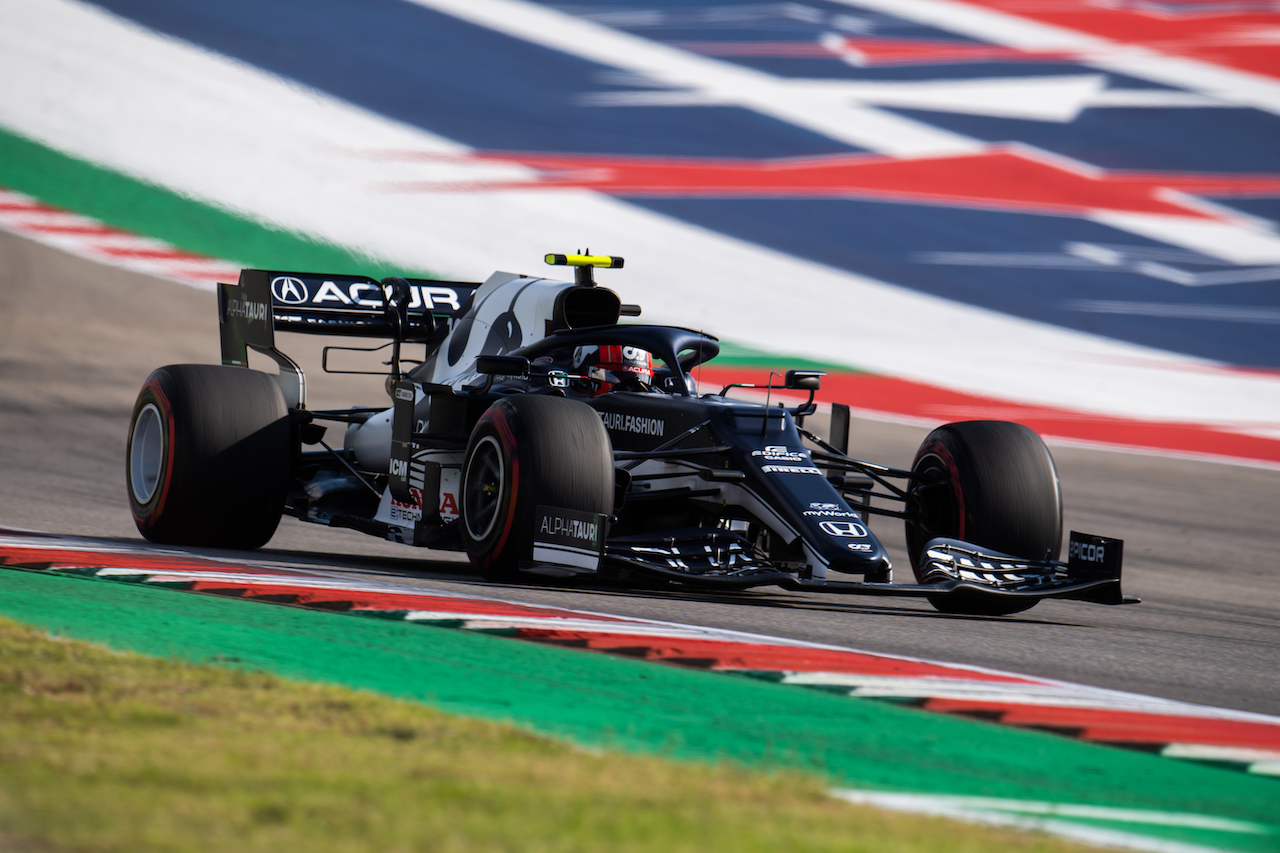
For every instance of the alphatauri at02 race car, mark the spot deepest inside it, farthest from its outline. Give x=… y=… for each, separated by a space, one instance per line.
x=543 y=437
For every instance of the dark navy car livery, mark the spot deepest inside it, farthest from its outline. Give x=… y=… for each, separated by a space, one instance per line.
x=531 y=428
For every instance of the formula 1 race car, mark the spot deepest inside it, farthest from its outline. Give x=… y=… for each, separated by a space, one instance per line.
x=544 y=438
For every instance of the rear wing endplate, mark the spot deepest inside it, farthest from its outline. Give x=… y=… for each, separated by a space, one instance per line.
x=245 y=322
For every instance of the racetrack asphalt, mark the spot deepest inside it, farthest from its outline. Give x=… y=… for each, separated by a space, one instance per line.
x=77 y=339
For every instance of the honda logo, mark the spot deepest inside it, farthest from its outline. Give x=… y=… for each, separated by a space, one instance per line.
x=289 y=290
x=843 y=528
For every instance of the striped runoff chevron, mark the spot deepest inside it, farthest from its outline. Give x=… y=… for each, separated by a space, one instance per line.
x=1246 y=741
x=93 y=239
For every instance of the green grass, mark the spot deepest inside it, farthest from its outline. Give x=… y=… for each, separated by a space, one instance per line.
x=102 y=751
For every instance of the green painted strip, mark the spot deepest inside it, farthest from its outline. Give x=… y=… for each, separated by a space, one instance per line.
x=738 y=355
x=611 y=702
x=133 y=205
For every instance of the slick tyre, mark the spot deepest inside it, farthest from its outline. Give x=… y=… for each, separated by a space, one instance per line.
x=208 y=456
x=526 y=451
x=991 y=483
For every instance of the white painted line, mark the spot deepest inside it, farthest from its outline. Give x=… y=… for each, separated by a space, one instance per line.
x=1057 y=818
x=483 y=620
x=1152 y=98
x=634 y=627
x=973 y=690
x=1203 y=752
x=1091 y=812
x=1226 y=240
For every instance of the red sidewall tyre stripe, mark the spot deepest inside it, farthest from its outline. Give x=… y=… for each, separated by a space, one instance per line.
x=498 y=417
x=153 y=393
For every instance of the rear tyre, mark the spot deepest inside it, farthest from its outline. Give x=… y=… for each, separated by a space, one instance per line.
x=991 y=483
x=526 y=451
x=208 y=456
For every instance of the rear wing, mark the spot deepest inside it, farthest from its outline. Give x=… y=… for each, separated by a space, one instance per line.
x=250 y=312
x=326 y=304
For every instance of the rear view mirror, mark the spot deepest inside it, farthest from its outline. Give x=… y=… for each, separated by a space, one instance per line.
x=804 y=380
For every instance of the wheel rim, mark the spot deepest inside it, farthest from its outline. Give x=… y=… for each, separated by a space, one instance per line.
x=146 y=453
x=482 y=491
x=936 y=511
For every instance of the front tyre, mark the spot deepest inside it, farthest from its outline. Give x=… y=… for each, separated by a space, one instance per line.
x=526 y=451
x=990 y=483
x=208 y=456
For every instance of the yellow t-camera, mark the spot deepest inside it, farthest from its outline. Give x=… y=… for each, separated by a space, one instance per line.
x=606 y=261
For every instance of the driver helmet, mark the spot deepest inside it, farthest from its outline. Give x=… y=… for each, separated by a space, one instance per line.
x=613 y=367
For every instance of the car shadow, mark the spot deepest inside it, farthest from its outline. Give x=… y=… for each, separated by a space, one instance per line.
x=449 y=567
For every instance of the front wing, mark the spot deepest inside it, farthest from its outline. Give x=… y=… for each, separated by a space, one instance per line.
x=722 y=559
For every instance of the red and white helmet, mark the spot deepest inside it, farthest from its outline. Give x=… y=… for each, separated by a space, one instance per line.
x=612 y=365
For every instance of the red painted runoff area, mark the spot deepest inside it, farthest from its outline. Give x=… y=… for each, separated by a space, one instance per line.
x=1119 y=726
x=1224 y=32
x=1003 y=177
x=724 y=655
x=343 y=599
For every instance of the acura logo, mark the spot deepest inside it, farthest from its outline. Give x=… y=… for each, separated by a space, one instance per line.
x=289 y=290
x=843 y=528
